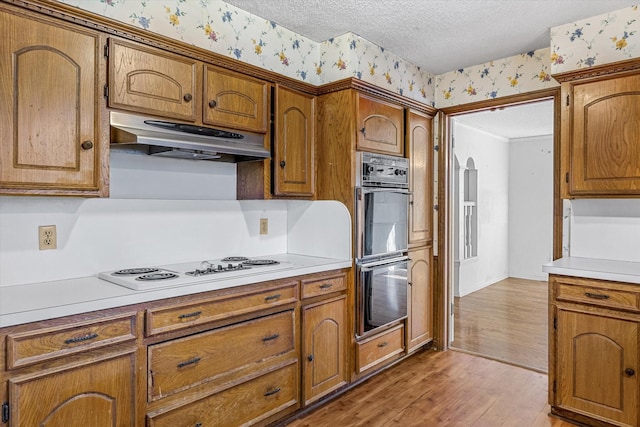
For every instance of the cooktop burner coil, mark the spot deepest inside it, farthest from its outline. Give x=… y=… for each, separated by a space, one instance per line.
x=156 y=276
x=260 y=262
x=135 y=271
x=234 y=259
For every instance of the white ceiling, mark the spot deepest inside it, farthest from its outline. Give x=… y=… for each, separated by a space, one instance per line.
x=437 y=35
x=518 y=121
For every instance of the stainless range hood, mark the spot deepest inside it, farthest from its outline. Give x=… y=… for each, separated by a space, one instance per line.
x=185 y=141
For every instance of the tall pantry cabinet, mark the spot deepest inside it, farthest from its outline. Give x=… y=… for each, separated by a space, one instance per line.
x=354 y=116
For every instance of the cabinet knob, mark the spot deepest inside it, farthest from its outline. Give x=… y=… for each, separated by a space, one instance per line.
x=212 y=104
x=629 y=372
x=364 y=132
x=310 y=358
x=198 y=425
x=282 y=163
x=87 y=145
x=187 y=97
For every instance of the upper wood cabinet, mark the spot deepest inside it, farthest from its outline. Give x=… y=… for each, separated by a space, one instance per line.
x=380 y=126
x=294 y=143
x=420 y=153
x=235 y=100
x=152 y=81
x=601 y=124
x=50 y=136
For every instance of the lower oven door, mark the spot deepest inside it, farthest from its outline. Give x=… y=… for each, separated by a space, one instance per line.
x=382 y=294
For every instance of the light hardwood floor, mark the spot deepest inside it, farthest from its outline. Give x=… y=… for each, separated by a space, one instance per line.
x=442 y=389
x=506 y=321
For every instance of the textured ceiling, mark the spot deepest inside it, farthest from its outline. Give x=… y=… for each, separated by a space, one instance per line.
x=437 y=35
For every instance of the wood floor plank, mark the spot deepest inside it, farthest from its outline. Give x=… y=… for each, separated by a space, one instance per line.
x=506 y=321
x=442 y=389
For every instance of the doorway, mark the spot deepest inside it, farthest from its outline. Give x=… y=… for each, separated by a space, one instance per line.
x=502 y=227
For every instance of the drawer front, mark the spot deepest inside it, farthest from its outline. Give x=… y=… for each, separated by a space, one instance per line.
x=179 y=364
x=27 y=348
x=380 y=348
x=598 y=296
x=244 y=404
x=325 y=285
x=165 y=319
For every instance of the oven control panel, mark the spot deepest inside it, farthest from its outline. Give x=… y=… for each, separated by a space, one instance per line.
x=379 y=170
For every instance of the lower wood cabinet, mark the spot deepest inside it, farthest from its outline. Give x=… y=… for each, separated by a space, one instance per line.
x=420 y=318
x=323 y=348
x=97 y=394
x=384 y=347
x=248 y=403
x=593 y=346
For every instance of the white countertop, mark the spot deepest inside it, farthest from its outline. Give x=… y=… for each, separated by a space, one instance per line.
x=603 y=269
x=46 y=300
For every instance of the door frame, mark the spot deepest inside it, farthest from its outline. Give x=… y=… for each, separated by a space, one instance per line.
x=444 y=265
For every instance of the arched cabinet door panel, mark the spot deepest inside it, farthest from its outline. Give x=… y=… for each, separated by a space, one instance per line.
x=99 y=394
x=604 y=119
x=598 y=365
x=380 y=126
x=50 y=140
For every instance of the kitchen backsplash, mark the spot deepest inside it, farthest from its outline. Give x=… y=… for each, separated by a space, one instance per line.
x=97 y=235
x=605 y=228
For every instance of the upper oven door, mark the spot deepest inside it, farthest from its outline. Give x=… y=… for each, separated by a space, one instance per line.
x=381 y=222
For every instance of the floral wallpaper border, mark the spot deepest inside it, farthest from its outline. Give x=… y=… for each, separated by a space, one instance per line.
x=228 y=30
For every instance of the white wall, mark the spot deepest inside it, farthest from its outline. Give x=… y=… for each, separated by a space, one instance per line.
x=605 y=229
x=491 y=157
x=530 y=206
x=170 y=211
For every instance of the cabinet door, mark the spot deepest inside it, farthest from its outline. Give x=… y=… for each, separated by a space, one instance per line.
x=151 y=81
x=605 y=153
x=100 y=394
x=323 y=348
x=597 y=371
x=419 y=145
x=294 y=148
x=380 y=126
x=420 y=319
x=49 y=136
x=235 y=101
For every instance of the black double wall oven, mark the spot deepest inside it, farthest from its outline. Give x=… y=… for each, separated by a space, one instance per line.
x=382 y=203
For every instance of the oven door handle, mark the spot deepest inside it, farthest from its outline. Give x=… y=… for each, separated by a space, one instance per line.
x=373 y=265
x=383 y=190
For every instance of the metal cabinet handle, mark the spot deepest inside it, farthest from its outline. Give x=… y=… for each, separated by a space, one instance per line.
x=187 y=97
x=212 y=104
x=87 y=145
x=270 y=337
x=198 y=425
x=364 y=132
x=272 y=297
x=81 y=339
x=282 y=163
x=383 y=344
x=189 y=362
x=596 y=296
x=187 y=315
x=326 y=286
x=629 y=372
x=310 y=358
x=272 y=392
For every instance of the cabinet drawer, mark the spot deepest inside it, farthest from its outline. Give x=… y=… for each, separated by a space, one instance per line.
x=244 y=404
x=380 y=348
x=599 y=296
x=181 y=316
x=324 y=285
x=27 y=348
x=179 y=364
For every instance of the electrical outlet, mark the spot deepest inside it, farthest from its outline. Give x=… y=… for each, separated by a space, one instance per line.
x=47 y=237
x=264 y=226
